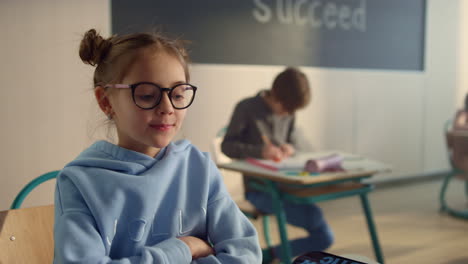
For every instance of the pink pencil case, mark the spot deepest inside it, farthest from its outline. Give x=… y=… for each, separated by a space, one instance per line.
x=325 y=164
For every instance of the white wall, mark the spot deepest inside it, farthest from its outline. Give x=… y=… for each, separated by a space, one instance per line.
x=45 y=101
x=47 y=106
x=441 y=86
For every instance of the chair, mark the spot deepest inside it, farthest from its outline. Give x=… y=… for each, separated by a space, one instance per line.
x=26 y=235
x=457 y=152
x=245 y=206
x=30 y=186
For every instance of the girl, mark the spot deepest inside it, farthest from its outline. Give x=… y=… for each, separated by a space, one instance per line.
x=145 y=199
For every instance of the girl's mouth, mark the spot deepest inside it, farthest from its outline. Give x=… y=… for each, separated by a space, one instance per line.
x=162 y=127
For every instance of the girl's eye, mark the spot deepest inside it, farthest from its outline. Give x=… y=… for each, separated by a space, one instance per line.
x=146 y=97
x=178 y=97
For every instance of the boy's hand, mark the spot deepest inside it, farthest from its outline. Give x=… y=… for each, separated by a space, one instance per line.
x=272 y=152
x=198 y=247
x=287 y=150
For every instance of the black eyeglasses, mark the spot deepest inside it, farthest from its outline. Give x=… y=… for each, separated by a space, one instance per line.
x=147 y=95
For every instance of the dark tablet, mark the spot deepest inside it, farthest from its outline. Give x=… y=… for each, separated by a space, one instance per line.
x=318 y=257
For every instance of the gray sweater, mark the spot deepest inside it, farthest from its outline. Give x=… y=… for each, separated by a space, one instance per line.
x=251 y=119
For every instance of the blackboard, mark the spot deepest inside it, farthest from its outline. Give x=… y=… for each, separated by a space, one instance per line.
x=369 y=34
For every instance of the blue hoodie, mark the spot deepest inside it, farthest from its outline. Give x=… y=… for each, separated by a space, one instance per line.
x=114 y=205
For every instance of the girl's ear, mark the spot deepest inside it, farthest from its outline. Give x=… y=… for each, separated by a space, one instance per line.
x=103 y=100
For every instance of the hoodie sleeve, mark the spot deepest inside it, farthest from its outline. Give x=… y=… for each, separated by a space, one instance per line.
x=233 y=236
x=78 y=240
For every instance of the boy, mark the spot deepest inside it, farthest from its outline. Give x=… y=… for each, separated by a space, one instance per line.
x=263 y=127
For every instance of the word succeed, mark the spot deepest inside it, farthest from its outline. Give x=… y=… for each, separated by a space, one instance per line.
x=313 y=13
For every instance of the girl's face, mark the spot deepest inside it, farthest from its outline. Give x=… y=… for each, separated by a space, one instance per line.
x=147 y=131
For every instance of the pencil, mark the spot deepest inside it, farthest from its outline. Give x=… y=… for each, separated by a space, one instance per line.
x=260 y=129
x=266 y=140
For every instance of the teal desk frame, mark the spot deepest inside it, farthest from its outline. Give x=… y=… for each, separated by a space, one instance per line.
x=274 y=183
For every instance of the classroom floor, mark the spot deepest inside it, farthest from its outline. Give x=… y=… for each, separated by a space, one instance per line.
x=410 y=227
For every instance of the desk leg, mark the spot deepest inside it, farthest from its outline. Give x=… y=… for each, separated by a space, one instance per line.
x=281 y=218
x=371 y=226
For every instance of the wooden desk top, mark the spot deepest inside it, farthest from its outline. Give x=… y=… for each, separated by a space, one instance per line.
x=355 y=167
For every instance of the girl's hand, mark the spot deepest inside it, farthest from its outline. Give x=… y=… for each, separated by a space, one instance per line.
x=288 y=150
x=198 y=247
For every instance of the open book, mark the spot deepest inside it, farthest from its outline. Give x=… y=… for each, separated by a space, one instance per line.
x=328 y=163
x=286 y=164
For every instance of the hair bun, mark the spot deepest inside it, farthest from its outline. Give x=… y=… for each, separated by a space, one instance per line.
x=93 y=48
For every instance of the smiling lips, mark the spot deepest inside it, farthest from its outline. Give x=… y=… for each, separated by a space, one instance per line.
x=162 y=127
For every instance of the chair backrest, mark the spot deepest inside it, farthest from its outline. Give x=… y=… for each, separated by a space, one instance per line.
x=30 y=186
x=26 y=235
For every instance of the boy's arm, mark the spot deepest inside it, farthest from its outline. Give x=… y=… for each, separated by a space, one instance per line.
x=234 y=144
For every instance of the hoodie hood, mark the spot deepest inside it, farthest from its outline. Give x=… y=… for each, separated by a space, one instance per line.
x=106 y=155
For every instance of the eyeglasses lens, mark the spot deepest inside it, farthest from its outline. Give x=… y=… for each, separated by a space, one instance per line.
x=182 y=95
x=146 y=95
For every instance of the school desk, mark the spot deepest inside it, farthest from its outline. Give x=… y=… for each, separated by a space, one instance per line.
x=284 y=185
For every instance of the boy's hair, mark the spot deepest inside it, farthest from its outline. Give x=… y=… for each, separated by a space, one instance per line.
x=115 y=55
x=291 y=88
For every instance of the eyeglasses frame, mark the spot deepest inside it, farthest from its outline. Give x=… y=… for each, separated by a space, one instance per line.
x=162 y=89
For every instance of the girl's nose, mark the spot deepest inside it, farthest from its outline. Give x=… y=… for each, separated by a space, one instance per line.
x=165 y=106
